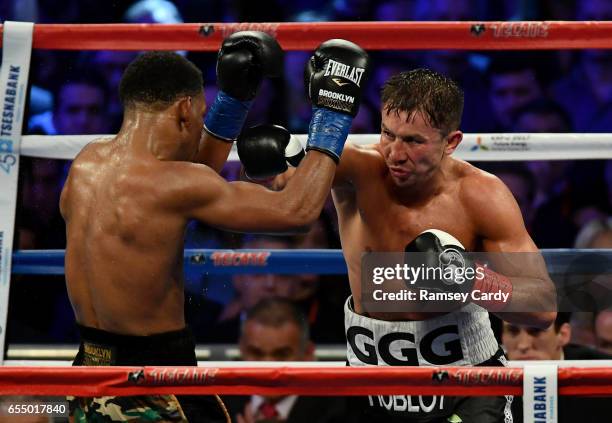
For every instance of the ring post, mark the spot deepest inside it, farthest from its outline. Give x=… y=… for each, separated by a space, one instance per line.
x=16 y=53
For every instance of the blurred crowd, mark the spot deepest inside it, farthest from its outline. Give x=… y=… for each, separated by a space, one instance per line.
x=565 y=204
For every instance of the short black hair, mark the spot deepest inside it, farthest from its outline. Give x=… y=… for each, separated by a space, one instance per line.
x=158 y=79
x=439 y=98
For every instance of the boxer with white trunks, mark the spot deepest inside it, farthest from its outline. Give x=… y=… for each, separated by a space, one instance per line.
x=407 y=193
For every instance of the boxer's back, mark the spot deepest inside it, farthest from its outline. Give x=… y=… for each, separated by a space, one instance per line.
x=124 y=246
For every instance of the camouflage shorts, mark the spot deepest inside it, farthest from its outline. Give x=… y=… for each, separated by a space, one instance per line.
x=149 y=408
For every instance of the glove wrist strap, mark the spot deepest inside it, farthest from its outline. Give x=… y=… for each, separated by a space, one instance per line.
x=495 y=290
x=328 y=132
x=226 y=117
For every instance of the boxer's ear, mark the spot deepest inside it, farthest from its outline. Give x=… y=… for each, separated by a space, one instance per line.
x=184 y=110
x=453 y=139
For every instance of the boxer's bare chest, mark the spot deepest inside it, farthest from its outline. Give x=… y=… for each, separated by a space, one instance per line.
x=373 y=219
x=377 y=220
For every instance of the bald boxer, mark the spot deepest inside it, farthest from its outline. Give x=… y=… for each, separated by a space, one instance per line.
x=127 y=201
x=408 y=193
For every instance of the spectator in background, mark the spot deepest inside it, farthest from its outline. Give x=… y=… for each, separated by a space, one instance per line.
x=591 y=329
x=153 y=11
x=111 y=65
x=545 y=116
x=587 y=91
x=252 y=288
x=320 y=297
x=596 y=234
x=514 y=81
x=552 y=224
x=526 y=343
x=39 y=212
x=276 y=330
x=80 y=107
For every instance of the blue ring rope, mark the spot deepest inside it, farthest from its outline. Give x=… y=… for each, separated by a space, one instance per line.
x=292 y=262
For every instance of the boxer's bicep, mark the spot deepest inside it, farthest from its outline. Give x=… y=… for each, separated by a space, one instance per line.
x=495 y=215
x=502 y=229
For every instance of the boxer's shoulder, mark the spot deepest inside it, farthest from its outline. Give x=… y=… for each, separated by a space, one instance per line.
x=360 y=160
x=187 y=184
x=490 y=205
x=477 y=186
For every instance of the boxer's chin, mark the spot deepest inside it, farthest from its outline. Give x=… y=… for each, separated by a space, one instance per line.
x=403 y=181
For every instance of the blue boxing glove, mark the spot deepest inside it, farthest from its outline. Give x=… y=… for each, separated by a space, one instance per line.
x=334 y=78
x=244 y=59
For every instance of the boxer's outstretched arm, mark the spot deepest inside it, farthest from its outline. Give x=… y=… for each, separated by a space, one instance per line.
x=247 y=207
x=499 y=222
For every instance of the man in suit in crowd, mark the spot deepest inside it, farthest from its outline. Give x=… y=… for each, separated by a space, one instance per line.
x=526 y=343
x=276 y=330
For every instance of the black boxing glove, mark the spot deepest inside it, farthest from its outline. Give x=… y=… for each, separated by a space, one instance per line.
x=446 y=253
x=266 y=150
x=334 y=78
x=244 y=59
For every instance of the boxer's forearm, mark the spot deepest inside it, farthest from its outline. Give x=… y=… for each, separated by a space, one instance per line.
x=213 y=152
x=306 y=192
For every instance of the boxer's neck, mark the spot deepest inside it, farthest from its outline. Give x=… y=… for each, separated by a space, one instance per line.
x=152 y=132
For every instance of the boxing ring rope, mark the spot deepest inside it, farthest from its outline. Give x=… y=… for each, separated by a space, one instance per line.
x=492 y=35
x=291 y=262
x=474 y=147
x=472 y=381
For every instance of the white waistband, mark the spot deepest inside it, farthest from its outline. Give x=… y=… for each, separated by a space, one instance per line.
x=461 y=338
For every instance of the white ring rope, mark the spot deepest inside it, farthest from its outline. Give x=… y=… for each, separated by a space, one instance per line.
x=475 y=147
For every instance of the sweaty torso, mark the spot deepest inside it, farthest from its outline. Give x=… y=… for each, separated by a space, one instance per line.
x=373 y=218
x=124 y=245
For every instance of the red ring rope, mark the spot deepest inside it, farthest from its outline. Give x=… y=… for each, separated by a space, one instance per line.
x=472 y=381
x=306 y=36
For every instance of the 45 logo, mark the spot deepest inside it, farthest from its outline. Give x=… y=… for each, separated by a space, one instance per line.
x=7 y=161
